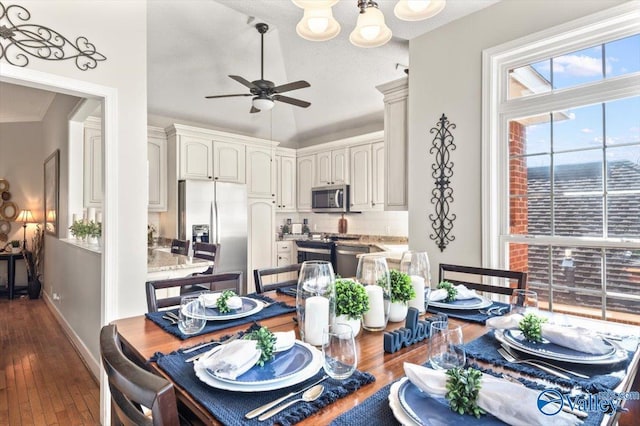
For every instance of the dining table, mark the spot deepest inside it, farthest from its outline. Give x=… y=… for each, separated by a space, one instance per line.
x=143 y=339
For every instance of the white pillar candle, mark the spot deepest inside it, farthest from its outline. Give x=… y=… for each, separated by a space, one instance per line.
x=417 y=282
x=91 y=214
x=99 y=217
x=316 y=318
x=75 y=218
x=374 y=317
x=84 y=215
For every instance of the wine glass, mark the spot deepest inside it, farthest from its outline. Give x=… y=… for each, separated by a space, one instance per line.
x=315 y=300
x=373 y=273
x=339 y=350
x=445 y=346
x=416 y=265
x=191 y=318
x=523 y=301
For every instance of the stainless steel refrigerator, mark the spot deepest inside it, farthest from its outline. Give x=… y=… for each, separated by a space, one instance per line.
x=216 y=212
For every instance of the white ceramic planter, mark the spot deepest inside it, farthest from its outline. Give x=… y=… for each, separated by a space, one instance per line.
x=398 y=311
x=355 y=324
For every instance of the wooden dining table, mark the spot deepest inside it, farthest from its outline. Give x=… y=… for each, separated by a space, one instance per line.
x=142 y=339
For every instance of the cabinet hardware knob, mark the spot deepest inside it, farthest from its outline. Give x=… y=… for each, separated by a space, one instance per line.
x=210 y=177
x=373 y=204
x=216 y=178
x=273 y=202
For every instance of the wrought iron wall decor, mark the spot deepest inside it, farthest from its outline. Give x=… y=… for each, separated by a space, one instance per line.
x=19 y=39
x=442 y=171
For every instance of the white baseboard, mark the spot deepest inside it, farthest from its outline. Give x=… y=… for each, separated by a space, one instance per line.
x=92 y=364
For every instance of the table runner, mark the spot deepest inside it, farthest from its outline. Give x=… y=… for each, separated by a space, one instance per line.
x=278 y=308
x=230 y=407
x=603 y=378
x=471 y=315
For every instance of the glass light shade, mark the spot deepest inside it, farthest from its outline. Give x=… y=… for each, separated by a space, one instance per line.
x=263 y=104
x=25 y=216
x=318 y=25
x=317 y=4
x=417 y=10
x=315 y=300
x=371 y=30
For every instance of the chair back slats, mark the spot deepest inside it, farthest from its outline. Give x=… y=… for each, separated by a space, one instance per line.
x=208 y=252
x=213 y=282
x=520 y=278
x=131 y=387
x=180 y=247
x=263 y=284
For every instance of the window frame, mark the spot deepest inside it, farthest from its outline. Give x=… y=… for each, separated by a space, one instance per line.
x=497 y=110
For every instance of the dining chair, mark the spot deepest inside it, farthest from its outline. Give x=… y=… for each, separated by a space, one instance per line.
x=206 y=251
x=180 y=247
x=270 y=279
x=471 y=277
x=132 y=387
x=213 y=282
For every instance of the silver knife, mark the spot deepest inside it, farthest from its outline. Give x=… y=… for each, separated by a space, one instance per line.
x=255 y=413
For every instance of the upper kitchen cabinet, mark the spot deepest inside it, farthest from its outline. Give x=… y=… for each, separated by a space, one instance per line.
x=367 y=177
x=196 y=158
x=157 y=163
x=395 y=140
x=306 y=172
x=377 y=175
x=229 y=162
x=260 y=179
x=332 y=167
x=92 y=164
x=285 y=180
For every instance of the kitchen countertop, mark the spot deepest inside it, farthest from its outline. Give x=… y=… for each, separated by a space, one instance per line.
x=378 y=242
x=159 y=260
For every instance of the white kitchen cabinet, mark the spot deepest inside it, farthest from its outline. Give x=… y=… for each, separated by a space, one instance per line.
x=306 y=172
x=360 y=178
x=377 y=175
x=261 y=224
x=285 y=183
x=196 y=158
x=260 y=170
x=92 y=164
x=157 y=169
x=228 y=162
x=285 y=251
x=332 y=167
x=396 y=145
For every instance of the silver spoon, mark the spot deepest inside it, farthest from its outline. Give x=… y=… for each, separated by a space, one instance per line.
x=310 y=395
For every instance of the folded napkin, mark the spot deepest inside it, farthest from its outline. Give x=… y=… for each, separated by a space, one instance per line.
x=210 y=300
x=231 y=360
x=512 y=403
x=463 y=294
x=284 y=340
x=569 y=337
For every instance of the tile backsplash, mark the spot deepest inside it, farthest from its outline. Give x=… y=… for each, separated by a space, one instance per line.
x=366 y=223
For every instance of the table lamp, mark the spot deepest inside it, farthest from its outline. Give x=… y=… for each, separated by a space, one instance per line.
x=25 y=217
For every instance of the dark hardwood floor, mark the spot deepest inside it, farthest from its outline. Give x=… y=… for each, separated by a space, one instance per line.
x=43 y=380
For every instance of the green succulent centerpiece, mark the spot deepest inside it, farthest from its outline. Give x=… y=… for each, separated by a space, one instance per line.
x=351 y=299
x=79 y=229
x=531 y=327
x=401 y=288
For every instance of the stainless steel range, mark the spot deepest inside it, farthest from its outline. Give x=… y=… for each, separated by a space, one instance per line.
x=316 y=250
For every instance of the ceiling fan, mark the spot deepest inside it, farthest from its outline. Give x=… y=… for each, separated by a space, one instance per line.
x=264 y=91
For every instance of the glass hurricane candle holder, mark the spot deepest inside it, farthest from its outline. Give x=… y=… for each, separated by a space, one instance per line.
x=315 y=300
x=416 y=265
x=373 y=273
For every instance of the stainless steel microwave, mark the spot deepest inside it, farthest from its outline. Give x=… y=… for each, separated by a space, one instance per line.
x=330 y=199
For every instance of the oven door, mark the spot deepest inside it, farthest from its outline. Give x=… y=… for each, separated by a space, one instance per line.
x=312 y=253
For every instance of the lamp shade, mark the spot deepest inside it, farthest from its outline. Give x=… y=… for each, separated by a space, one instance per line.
x=417 y=10
x=318 y=24
x=25 y=216
x=371 y=30
x=263 y=104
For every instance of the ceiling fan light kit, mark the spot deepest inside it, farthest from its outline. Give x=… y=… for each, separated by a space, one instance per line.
x=318 y=23
x=262 y=103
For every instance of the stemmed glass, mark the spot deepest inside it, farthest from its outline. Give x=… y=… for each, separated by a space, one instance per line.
x=191 y=315
x=373 y=273
x=445 y=346
x=315 y=300
x=523 y=301
x=339 y=350
x=416 y=265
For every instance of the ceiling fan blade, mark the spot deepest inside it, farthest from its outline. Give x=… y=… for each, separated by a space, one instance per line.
x=291 y=86
x=228 y=96
x=292 y=101
x=244 y=81
x=253 y=110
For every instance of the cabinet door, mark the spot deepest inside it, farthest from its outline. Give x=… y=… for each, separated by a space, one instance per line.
x=261 y=221
x=228 y=162
x=259 y=173
x=92 y=167
x=361 y=178
x=377 y=175
x=340 y=166
x=306 y=173
x=196 y=158
x=157 y=163
x=286 y=184
x=323 y=164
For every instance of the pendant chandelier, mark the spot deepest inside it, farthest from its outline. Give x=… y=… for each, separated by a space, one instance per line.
x=318 y=23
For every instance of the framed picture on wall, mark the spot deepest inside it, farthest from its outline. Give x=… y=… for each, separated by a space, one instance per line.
x=51 y=192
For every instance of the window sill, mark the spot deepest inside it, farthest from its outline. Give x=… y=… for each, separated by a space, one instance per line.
x=94 y=248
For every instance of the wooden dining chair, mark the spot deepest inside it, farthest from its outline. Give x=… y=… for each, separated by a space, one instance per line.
x=206 y=251
x=213 y=282
x=132 y=387
x=180 y=247
x=472 y=277
x=270 y=278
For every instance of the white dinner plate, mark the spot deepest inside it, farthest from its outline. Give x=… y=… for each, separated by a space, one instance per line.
x=249 y=307
x=465 y=304
x=309 y=371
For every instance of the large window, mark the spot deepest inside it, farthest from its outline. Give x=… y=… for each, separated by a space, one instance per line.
x=562 y=164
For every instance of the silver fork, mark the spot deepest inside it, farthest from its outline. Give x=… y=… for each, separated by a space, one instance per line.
x=507 y=356
x=537 y=361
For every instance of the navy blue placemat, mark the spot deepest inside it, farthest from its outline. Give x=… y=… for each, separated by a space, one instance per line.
x=603 y=377
x=374 y=410
x=291 y=290
x=278 y=308
x=474 y=315
x=230 y=407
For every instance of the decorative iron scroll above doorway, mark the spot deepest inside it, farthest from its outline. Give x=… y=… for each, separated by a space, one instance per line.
x=19 y=39
x=442 y=171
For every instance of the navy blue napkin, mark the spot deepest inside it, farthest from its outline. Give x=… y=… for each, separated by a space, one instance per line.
x=274 y=310
x=230 y=407
x=472 y=315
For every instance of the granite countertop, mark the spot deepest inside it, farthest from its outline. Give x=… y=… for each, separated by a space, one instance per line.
x=158 y=260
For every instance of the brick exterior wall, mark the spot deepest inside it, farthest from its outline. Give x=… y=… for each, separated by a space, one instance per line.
x=518 y=210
